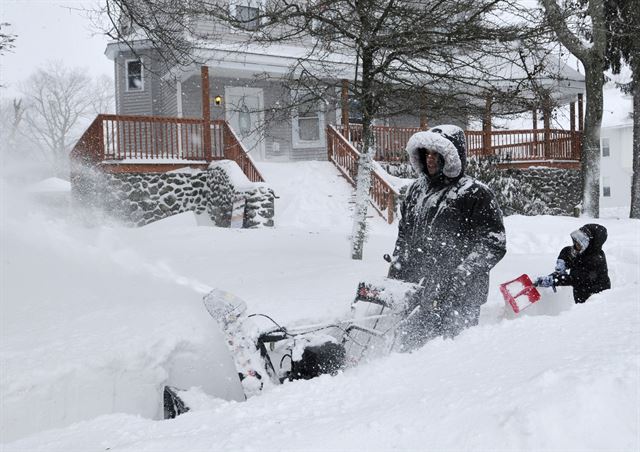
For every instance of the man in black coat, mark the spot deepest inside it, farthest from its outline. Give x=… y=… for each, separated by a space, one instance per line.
x=450 y=236
x=583 y=265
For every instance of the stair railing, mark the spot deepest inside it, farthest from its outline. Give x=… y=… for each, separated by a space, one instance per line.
x=345 y=156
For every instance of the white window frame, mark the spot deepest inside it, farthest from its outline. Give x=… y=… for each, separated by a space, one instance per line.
x=126 y=75
x=297 y=142
x=606 y=187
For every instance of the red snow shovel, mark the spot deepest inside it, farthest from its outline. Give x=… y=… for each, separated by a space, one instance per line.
x=520 y=293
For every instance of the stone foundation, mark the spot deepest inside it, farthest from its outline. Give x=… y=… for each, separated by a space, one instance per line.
x=138 y=199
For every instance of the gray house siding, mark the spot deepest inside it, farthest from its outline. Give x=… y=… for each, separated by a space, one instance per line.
x=159 y=98
x=169 y=98
x=278 y=137
x=148 y=100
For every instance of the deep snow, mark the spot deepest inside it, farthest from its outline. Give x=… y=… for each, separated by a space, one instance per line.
x=95 y=320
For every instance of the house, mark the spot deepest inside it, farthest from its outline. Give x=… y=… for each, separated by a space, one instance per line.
x=616 y=147
x=169 y=116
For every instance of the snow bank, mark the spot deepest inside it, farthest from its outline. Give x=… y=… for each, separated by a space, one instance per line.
x=89 y=327
x=52 y=184
x=95 y=321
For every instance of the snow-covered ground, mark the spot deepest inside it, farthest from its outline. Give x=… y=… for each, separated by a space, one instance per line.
x=95 y=320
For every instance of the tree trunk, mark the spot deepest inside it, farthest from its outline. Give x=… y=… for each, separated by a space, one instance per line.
x=635 y=178
x=365 y=164
x=590 y=162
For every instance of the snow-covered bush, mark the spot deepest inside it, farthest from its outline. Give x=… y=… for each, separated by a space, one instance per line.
x=515 y=196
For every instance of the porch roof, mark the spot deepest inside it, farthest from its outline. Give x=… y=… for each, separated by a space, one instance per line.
x=235 y=58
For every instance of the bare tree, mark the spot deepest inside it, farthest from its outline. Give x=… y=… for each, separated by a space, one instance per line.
x=58 y=102
x=580 y=27
x=396 y=53
x=6 y=39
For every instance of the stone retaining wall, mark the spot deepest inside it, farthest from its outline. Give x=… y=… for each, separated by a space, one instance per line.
x=562 y=187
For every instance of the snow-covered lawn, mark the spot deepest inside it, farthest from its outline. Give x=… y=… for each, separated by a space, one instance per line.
x=95 y=320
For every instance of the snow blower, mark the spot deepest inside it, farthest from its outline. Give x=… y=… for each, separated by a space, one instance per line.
x=265 y=357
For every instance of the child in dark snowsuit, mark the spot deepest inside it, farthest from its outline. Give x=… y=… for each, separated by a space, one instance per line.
x=583 y=265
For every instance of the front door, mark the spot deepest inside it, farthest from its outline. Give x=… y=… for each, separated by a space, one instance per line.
x=244 y=111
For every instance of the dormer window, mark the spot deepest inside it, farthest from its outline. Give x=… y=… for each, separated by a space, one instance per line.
x=134 y=75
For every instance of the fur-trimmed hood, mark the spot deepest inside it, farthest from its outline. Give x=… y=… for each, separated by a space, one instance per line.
x=448 y=141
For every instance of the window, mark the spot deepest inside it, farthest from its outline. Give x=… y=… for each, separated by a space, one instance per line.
x=604 y=145
x=248 y=16
x=134 y=75
x=606 y=187
x=308 y=123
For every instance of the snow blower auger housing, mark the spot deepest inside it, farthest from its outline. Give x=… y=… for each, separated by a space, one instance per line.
x=267 y=357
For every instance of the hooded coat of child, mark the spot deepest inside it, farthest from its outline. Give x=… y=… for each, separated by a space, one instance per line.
x=588 y=272
x=450 y=236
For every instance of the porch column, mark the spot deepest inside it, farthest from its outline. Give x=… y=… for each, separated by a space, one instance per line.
x=206 y=113
x=580 y=113
x=547 y=130
x=535 y=130
x=179 y=99
x=572 y=116
x=179 y=114
x=486 y=128
x=424 y=125
x=345 y=108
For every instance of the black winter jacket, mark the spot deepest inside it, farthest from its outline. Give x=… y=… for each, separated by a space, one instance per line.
x=588 y=272
x=450 y=235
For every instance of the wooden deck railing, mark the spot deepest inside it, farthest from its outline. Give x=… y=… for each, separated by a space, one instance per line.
x=235 y=150
x=342 y=153
x=155 y=140
x=389 y=142
x=526 y=145
x=506 y=145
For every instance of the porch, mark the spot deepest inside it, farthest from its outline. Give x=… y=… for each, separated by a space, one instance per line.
x=507 y=148
x=152 y=144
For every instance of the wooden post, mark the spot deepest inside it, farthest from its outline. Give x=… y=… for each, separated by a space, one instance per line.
x=206 y=113
x=345 y=108
x=580 y=113
x=535 y=131
x=424 y=125
x=486 y=128
x=572 y=116
x=391 y=206
x=547 y=130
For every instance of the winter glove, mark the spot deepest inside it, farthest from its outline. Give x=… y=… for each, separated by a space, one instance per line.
x=549 y=280
x=544 y=281
x=561 y=266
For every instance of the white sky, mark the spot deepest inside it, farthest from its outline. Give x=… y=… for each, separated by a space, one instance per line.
x=50 y=30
